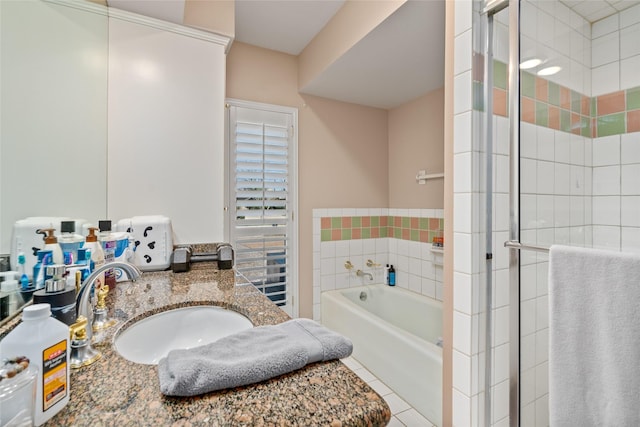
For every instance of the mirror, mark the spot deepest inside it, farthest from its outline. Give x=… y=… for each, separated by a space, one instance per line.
x=53 y=130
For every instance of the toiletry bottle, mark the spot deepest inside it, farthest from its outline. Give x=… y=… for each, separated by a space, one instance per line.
x=97 y=255
x=44 y=258
x=24 y=279
x=392 y=276
x=386 y=274
x=45 y=341
x=108 y=242
x=51 y=244
x=12 y=299
x=69 y=242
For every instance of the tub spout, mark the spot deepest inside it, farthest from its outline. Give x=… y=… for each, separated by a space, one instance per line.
x=361 y=273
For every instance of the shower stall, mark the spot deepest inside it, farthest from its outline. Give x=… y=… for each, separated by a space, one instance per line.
x=546 y=151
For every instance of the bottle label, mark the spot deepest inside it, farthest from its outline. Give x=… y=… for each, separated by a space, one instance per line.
x=54 y=374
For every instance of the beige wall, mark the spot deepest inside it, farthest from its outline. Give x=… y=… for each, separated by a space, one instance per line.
x=342 y=148
x=217 y=16
x=416 y=133
x=353 y=21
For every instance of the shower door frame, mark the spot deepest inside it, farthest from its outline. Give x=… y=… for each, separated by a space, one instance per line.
x=491 y=8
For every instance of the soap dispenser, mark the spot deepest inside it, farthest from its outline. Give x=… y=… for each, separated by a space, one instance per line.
x=97 y=255
x=58 y=294
x=51 y=244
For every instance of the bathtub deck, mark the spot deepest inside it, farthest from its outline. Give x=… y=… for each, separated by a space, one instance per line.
x=402 y=414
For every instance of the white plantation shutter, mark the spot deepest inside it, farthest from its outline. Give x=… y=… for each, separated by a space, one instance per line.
x=261 y=182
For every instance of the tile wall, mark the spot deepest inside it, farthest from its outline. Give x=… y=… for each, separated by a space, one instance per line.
x=580 y=162
x=401 y=237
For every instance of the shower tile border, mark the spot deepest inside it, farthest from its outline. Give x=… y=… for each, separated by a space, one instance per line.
x=551 y=105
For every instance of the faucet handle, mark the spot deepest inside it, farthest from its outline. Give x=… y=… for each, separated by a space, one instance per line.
x=372 y=264
x=348 y=265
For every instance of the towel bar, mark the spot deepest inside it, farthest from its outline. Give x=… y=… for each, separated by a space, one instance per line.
x=517 y=245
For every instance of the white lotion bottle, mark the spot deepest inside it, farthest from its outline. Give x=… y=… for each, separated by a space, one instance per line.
x=45 y=341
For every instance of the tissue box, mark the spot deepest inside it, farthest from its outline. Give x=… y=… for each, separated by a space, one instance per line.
x=153 y=240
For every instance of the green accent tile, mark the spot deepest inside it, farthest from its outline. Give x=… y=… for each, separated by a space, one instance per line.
x=406 y=222
x=594 y=106
x=366 y=233
x=554 y=94
x=356 y=222
x=527 y=84
x=325 y=235
x=336 y=222
x=565 y=120
x=346 y=234
x=384 y=231
x=397 y=232
x=432 y=234
x=375 y=221
x=441 y=224
x=576 y=101
x=613 y=124
x=424 y=224
x=415 y=235
x=633 y=98
x=542 y=114
x=478 y=96
x=499 y=74
x=585 y=126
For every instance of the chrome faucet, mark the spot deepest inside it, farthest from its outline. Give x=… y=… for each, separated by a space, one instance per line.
x=82 y=353
x=361 y=273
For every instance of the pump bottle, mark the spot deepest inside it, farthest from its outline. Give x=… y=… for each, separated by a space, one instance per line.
x=97 y=255
x=51 y=244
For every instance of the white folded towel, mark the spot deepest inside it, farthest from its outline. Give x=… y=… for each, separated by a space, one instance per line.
x=249 y=357
x=594 y=337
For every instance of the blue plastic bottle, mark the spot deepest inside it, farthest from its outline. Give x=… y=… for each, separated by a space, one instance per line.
x=44 y=258
x=392 y=276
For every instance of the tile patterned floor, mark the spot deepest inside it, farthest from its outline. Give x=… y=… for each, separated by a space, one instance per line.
x=402 y=414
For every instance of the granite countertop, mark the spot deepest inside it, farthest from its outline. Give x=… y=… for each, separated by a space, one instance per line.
x=114 y=391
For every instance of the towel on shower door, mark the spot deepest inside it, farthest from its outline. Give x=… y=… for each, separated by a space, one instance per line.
x=249 y=357
x=594 y=337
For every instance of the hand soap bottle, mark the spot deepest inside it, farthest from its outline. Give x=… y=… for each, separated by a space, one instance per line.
x=51 y=244
x=97 y=255
x=45 y=341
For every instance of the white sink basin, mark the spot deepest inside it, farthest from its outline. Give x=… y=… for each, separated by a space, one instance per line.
x=150 y=339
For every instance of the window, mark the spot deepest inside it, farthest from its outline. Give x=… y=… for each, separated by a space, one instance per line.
x=261 y=193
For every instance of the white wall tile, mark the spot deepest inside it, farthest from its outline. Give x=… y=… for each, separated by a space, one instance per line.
x=630 y=16
x=629 y=45
x=606 y=180
x=546 y=143
x=462 y=372
x=546 y=173
x=630 y=181
x=461 y=408
x=462 y=174
x=629 y=75
x=462 y=132
x=528 y=140
x=605 y=49
x=605 y=79
x=462 y=332
x=606 y=151
x=630 y=148
x=562 y=211
x=463 y=16
x=630 y=211
x=606 y=210
x=630 y=239
x=462 y=92
x=462 y=53
x=607 y=237
x=562 y=179
x=605 y=26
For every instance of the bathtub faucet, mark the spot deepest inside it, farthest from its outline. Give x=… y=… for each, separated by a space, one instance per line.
x=361 y=273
